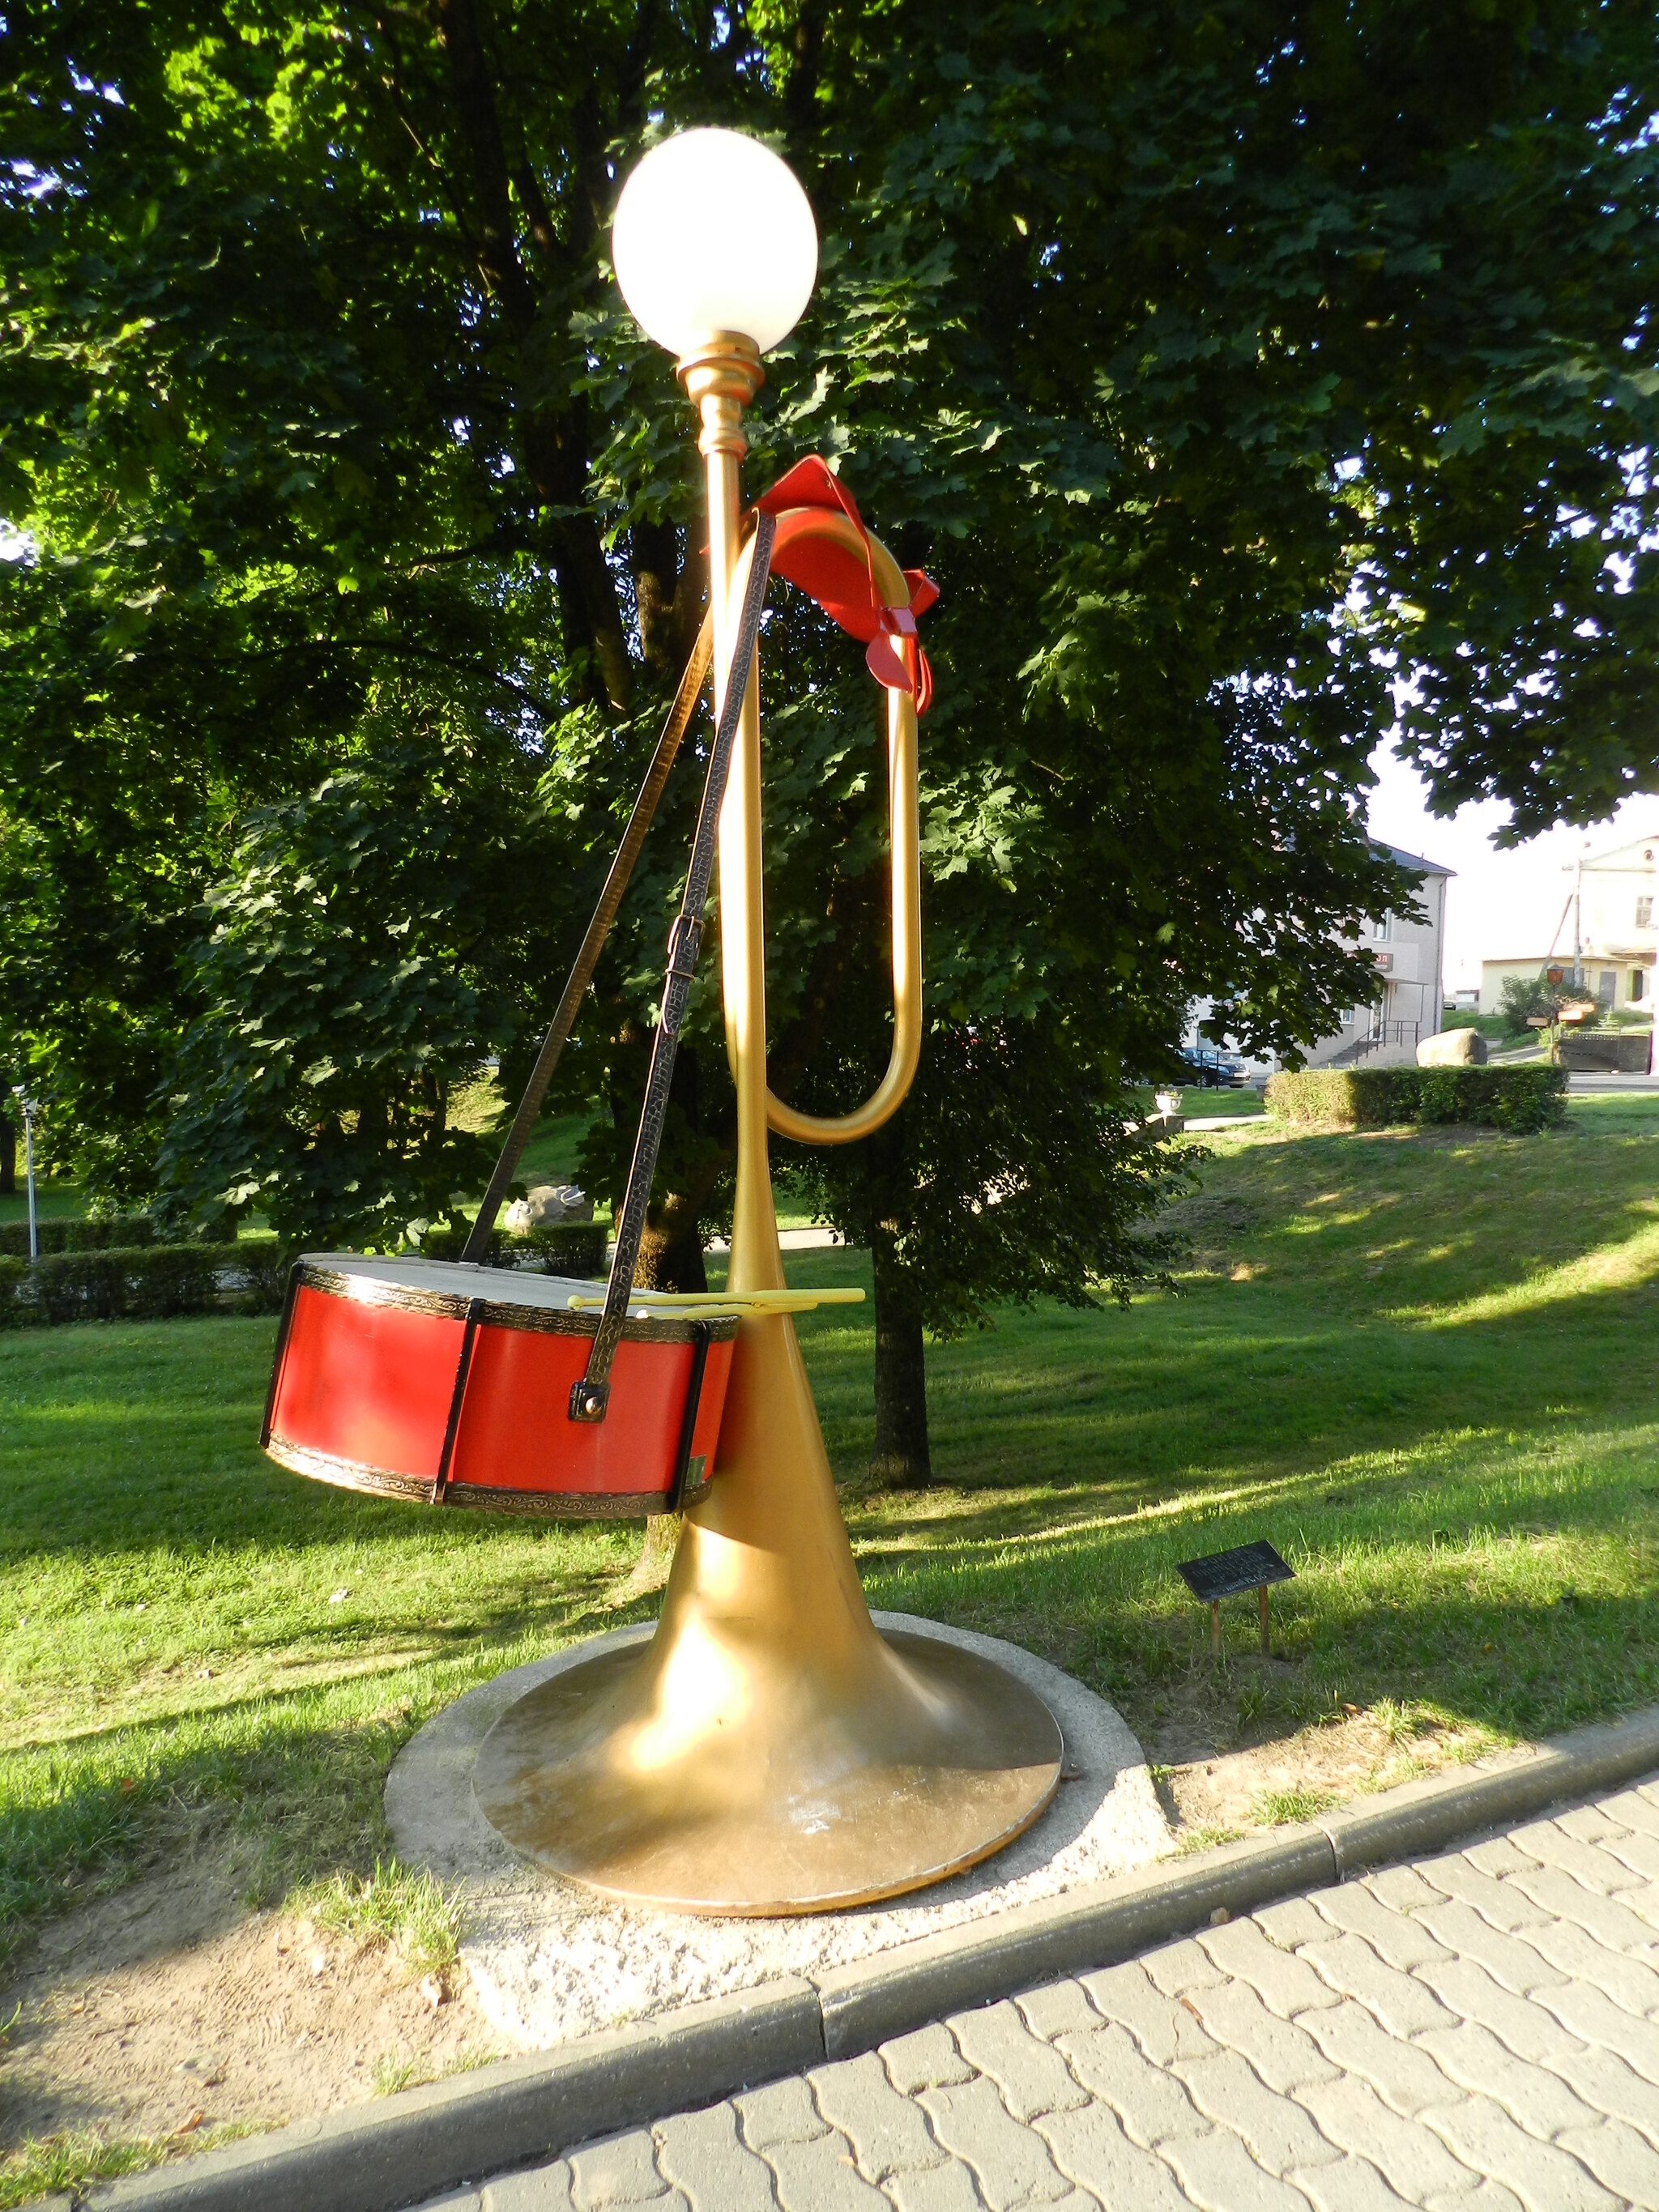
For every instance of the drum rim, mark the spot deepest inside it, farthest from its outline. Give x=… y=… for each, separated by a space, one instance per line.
x=535 y=1504
x=315 y=1274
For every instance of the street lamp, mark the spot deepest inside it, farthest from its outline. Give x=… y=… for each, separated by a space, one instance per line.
x=714 y=237
x=768 y=1750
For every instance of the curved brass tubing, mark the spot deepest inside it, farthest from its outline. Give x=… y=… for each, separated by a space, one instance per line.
x=906 y=865
x=769 y=1751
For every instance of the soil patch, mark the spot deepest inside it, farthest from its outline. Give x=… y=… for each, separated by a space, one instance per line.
x=1208 y=1794
x=166 y=2011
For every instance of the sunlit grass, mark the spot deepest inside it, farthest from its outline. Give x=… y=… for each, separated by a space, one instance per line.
x=1424 y=1366
x=53 y=1200
x=62 y=2166
x=397 y=1904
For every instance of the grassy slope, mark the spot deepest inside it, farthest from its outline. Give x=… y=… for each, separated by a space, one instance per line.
x=1423 y=1365
x=1209 y=1103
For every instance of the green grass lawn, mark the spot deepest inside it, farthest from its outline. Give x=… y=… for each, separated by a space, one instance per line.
x=1425 y=1366
x=1209 y=1103
x=53 y=1200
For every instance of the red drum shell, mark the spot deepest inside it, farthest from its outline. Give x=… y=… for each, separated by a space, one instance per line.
x=451 y=1384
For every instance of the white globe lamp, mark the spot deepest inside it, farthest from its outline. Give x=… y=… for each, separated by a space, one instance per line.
x=713 y=239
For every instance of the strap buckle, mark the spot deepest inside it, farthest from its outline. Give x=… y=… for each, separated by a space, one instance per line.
x=588 y=1400
x=685 y=943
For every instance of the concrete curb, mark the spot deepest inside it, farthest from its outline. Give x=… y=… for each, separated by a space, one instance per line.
x=416 y=2144
x=412 y=2145
x=1422 y=1816
x=864 y=2004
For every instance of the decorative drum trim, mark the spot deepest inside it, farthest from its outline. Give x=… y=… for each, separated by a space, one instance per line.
x=528 y=1505
x=348 y=1473
x=498 y=1313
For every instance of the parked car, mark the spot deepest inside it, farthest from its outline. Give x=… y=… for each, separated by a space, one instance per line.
x=1211 y=1069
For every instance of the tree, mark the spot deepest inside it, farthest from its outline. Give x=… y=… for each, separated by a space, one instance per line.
x=1526 y=996
x=371 y=938
x=1175 y=343
x=1011 y=1172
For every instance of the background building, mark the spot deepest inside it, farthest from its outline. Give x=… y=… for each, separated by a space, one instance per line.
x=1606 y=930
x=1411 y=967
x=1410 y=971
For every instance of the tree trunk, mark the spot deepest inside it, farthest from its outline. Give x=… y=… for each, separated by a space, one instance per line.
x=671 y=1245
x=8 y=1157
x=650 y=1570
x=671 y=1250
x=900 y=1461
x=667 y=597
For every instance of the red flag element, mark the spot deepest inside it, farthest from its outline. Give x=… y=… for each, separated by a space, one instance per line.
x=844 y=586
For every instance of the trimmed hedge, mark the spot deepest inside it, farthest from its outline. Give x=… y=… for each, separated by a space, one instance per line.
x=1520 y=1099
x=158 y=1282
x=552 y=1247
x=136 y=1282
x=102 y=1233
x=262 y=1263
x=64 y=1235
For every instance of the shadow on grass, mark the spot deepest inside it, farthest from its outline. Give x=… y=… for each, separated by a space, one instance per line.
x=1472 y=1510
x=294 y=1781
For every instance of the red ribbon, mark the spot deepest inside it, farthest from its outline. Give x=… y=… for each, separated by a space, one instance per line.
x=845 y=587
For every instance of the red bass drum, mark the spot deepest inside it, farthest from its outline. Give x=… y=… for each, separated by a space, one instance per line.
x=450 y=1384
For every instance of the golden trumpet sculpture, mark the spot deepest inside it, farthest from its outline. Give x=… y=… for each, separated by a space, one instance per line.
x=769 y=1751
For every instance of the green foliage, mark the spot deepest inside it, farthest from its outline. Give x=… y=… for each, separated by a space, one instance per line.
x=1524 y=997
x=77 y=1233
x=358 y=969
x=145 y=1282
x=1015 y=1171
x=1172 y=340
x=1522 y=1100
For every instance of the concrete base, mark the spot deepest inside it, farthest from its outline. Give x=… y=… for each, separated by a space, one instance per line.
x=549 y=1961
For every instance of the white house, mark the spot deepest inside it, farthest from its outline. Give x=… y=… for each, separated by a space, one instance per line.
x=1411 y=967
x=1410 y=971
x=1606 y=933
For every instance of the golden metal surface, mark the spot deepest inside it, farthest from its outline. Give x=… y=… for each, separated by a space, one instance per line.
x=768 y=1750
x=824 y=1817
x=719 y=382
x=906 y=899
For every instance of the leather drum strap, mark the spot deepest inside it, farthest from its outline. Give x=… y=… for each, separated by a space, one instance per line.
x=589 y=1396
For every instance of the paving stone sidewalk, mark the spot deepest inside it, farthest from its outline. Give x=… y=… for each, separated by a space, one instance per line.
x=1479 y=2030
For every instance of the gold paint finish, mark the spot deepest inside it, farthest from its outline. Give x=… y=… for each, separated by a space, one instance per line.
x=905 y=869
x=781 y=1810
x=768 y=1752
x=719 y=382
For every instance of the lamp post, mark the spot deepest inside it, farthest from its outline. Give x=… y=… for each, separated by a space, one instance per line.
x=768 y=1750
x=26 y=1106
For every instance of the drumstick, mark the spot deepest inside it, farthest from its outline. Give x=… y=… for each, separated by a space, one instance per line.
x=756 y=1301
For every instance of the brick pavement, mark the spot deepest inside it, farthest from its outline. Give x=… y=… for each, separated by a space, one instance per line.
x=1474 y=2033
